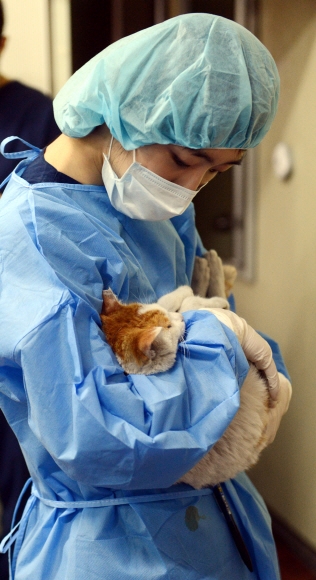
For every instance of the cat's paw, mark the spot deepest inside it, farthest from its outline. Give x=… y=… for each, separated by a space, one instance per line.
x=230 y=275
x=216 y=286
x=173 y=301
x=200 y=276
x=218 y=302
x=196 y=303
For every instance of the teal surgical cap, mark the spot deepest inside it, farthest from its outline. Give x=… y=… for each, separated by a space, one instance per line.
x=197 y=80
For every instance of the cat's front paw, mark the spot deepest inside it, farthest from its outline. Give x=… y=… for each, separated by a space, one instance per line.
x=198 y=303
x=230 y=275
x=217 y=302
x=173 y=301
x=200 y=276
x=216 y=286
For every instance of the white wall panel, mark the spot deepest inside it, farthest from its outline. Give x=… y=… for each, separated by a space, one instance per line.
x=61 y=43
x=27 y=55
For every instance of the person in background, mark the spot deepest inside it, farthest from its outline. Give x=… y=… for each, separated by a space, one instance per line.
x=26 y=112
x=145 y=124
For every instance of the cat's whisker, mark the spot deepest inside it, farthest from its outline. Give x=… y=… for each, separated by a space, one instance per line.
x=133 y=297
x=142 y=297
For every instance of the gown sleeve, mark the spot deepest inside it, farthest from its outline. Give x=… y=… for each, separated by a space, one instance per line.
x=101 y=427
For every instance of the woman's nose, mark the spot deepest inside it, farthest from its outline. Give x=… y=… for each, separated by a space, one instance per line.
x=197 y=179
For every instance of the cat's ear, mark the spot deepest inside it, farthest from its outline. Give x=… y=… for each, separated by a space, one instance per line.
x=145 y=340
x=110 y=302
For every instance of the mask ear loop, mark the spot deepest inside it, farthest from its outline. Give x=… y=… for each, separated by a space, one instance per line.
x=110 y=148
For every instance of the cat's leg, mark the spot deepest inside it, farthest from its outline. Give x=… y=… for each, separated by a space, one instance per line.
x=230 y=275
x=172 y=301
x=212 y=278
x=198 y=303
x=216 y=285
x=201 y=277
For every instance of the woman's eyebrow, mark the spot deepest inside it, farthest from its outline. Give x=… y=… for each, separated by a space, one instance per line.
x=204 y=155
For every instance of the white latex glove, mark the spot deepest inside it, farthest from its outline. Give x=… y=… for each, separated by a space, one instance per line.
x=256 y=349
x=276 y=412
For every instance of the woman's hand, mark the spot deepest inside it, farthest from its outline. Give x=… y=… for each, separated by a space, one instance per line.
x=256 y=349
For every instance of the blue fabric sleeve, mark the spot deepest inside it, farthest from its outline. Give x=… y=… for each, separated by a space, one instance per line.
x=232 y=303
x=145 y=428
x=200 y=248
x=101 y=427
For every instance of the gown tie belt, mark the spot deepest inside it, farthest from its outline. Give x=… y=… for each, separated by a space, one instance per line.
x=15 y=528
x=17 y=531
x=123 y=500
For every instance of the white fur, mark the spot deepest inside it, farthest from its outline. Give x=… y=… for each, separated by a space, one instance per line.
x=182 y=300
x=173 y=301
x=196 y=303
x=241 y=444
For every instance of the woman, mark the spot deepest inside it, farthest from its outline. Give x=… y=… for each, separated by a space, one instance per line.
x=152 y=118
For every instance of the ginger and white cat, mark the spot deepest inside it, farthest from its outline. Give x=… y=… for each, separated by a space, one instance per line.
x=145 y=338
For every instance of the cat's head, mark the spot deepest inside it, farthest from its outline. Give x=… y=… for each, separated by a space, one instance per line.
x=144 y=337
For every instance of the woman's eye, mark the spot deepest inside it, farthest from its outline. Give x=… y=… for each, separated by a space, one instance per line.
x=179 y=161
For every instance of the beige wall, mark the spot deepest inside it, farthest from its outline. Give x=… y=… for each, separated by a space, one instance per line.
x=282 y=300
x=27 y=54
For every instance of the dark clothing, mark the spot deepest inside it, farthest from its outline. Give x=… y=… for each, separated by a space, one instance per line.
x=27 y=113
x=39 y=171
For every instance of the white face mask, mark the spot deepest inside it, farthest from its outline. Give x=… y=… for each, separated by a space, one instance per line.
x=144 y=195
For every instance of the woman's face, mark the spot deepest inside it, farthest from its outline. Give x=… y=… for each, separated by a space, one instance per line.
x=190 y=168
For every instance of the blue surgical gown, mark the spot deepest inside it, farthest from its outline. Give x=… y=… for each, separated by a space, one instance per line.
x=88 y=431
